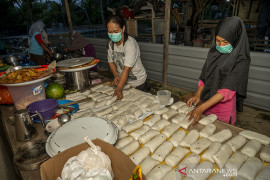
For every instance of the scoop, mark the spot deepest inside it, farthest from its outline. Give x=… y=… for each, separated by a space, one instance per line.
x=64 y=118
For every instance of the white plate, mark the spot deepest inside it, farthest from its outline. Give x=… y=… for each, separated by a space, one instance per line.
x=73 y=132
x=74 y=62
x=28 y=82
x=77 y=69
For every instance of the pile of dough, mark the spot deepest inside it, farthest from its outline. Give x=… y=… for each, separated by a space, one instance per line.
x=208 y=130
x=122 y=134
x=213 y=149
x=177 y=137
x=148 y=136
x=152 y=107
x=251 y=148
x=204 y=168
x=237 y=142
x=200 y=145
x=190 y=138
x=177 y=105
x=222 y=156
x=169 y=114
x=265 y=154
x=161 y=111
x=158 y=172
x=250 y=168
x=148 y=164
x=264 y=174
x=161 y=124
x=130 y=148
x=137 y=133
x=236 y=161
x=131 y=127
x=155 y=142
x=140 y=155
x=176 y=156
x=103 y=112
x=169 y=130
x=123 y=142
x=179 y=118
x=186 y=122
x=221 y=136
x=162 y=151
x=172 y=175
x=253 y=135
x=153 y=120
x=190 y=162
x=208 y=119
x=183 y=109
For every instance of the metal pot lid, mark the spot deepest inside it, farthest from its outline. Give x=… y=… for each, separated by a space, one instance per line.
x=74 y=62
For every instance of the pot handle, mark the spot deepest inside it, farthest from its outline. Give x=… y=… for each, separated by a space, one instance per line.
x=41 y=118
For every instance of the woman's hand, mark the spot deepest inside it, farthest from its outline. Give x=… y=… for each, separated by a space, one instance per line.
x=116 y=80
x=195 y=114
x=193 y=101
x=118 y=93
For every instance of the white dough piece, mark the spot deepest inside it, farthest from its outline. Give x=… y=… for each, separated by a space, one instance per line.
x=220 y=176
x=130 y=148
x=177 y=105
x=189 y=109
x=96 y=87
x=137 y=133
x=222 y=156
x=118 y=105
x=95 y=98
x=204 y=167
x=135 y=98
x=213 y=149
x=161 y=111
x=140 y=155
x=133 y=108
x=100 y=104
x=93 y=94
x=146 y=102
x=127 y=86
x=148 y=164
x=111 y=100
x=122 y=134
x=208 y=119
x=128 y=97
x=183 y=109
x=265 y=154
x=86 y=93
x=162 y=151
x=103 y=112
x=200 y=145
x=110 y=93
x=236 y=161
x=140 y=100
x=237 y=142
x=250 y=168
x=73 y=95
x=177 y=137
x=179 y=118
x=158 y=172
x=125 y=119
x=148 y=136
x=169 y=114
x=123 y=142
x=221 y=136
x=191 y=161
x=208 y=130
x=170 y=129
x=176 y=156
x=254 y=135
x=153 y=120
x=138 y=113
x=154 y=143
x=161 y=124
x=152 y=107
x=186 y=122
x=264 y=174
x=77 y=98
x=152 y=97
x=251 y=148
x=80 y=114
x=131 y=127
x=86 y=105
x=106 y=89
x=190 y=138
x=102 y=99
x=172 y=175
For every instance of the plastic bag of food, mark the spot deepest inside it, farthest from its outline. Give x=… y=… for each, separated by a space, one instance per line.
x=5 y=97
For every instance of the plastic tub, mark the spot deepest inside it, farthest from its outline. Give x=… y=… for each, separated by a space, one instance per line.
x=75 y=106
x=164 y=96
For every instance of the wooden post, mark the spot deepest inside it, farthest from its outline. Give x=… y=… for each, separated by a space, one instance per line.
x=68 y=16
x=153 y=25
x=166 y=39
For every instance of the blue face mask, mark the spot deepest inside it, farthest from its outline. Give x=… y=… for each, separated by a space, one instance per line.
x=115 y=37
x=224 y=49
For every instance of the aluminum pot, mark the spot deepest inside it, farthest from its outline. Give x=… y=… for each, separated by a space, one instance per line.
x=12 y=60
x=77 y=80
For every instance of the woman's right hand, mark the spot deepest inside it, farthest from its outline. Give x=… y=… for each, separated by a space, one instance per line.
x=193 y=101
x=116 y=80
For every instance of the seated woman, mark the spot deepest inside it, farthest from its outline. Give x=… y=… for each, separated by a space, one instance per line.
x=223 y=81
x=124 y=57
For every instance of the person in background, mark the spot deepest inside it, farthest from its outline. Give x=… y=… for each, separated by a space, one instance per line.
x=124 y=57
x=223 y=81
x=37 y=45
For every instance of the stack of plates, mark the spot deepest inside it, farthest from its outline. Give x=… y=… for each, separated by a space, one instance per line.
x=73 y=133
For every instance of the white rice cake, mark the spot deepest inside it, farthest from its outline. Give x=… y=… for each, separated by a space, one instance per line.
x=222 y=156
x=122 y=134
x=160 y=124
x=264 y=174
x=250 y=168
x=179 y=118
x=189 y=109
x=100 y=104
x=161 y=111
x=154 y=143
x=123 y=142
x=208 y=119
x=110 y=92
x=176 y=156
x=148 y=136
x=183 y=109
x=128 y=97
x=172 y=175
x=190 y=162
x=251 y=148
x=93 y=94
x=213 y=149
x=133 y=108
x=135 y=98
x=186 y=122
x=125 y=119
x=265 y=154
x=111 y=100
x=221 y=136
x=138 y=113
x=140 y=100
x=158 y=172
x=95 y=98
x=204 y=166
x=148 y=164
x=77 y=98
x=177 y=137
x=118 y=105
x=130 y=148
x=133 y=126
x=77 y=94
x=177 y=105
x=86 y=105
x=236 y=161
x=237 y=142
x=146 y=102
x=220 y=176
x=140 y=155
x=103 y=112
x=102 y=99
x=162 y=151
x=253 y=135
x=96 y=87
x=152 y=107
x=169 y=130
x=153 y=120
x=169 y=114
x=200 y=145
x=190 y=138
x=152 y=97
x=208 y=130
x=137 y=133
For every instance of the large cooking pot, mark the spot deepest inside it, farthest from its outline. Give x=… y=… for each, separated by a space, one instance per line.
x=12 y=60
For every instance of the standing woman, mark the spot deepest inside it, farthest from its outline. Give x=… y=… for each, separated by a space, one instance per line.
x=124 y=57
x=224 y=77
x=37 y=45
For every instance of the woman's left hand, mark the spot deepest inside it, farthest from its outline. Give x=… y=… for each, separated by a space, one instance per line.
x=118 y=93
x=195 y=114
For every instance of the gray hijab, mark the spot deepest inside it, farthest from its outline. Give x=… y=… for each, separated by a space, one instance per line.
x=36 y=27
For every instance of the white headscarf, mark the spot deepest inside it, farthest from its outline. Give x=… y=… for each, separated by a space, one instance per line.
x=36 y=27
